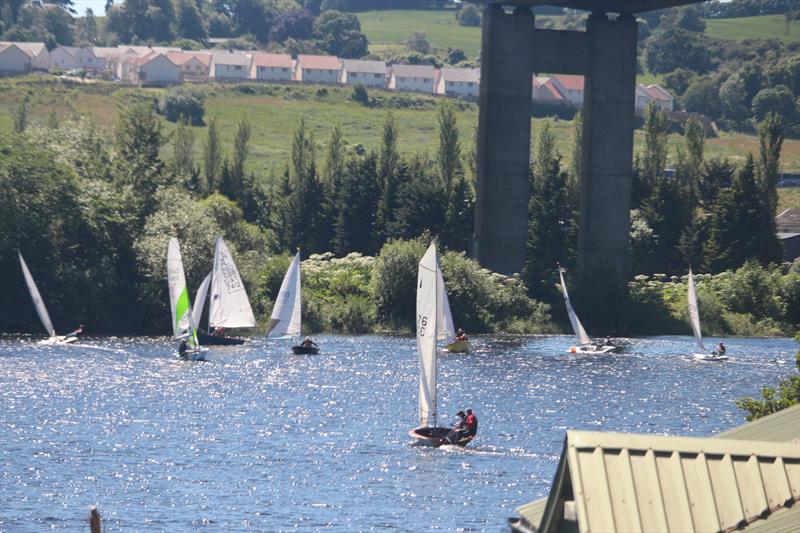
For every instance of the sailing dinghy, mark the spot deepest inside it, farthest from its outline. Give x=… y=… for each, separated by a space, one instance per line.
x=586 y=345
x=285 y=321
x=184 y=328
x=694 y=319
x=41 y=310
x=229 y=306
x=432 y=325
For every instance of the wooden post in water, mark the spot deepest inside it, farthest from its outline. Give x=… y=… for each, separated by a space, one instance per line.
x=94 y=520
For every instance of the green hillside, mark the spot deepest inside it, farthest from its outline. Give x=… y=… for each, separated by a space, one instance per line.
x=763 y=27
x=274 y=111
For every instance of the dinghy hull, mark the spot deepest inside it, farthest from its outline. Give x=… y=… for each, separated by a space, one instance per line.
x=434 y=436
x=217 y=340
x=591 y=350
x=707 y=357
x=457 y=347
x=57 y=341
x=305 y=350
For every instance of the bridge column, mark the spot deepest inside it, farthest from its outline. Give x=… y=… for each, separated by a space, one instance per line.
x=608 y=120
x=504 y=137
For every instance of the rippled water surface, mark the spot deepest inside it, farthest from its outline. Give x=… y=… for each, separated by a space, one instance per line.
x=257 y=439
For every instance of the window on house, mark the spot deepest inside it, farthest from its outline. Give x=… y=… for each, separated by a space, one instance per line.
x=238 y=67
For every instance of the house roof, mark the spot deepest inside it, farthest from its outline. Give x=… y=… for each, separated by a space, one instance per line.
x=231 y=58
x=470 y=75
x=71 y=50
x=641 y=90
x=360 y=65
x=179 y=58
x=569 y=82
x=314 y=62
x=414 y=71
x=32 y=49
x=105 y=51
x=263 y=59
x=658 y=92
x=644 y=482
x=788 y=221
x=152 y=56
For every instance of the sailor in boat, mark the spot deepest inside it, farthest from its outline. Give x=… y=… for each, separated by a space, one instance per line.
x=471 y=423
x=308 y=343
x=459 y=429
x=218 y=332
x=461 y=336
x=606 y=342
x=719 y=351
x=183 y=347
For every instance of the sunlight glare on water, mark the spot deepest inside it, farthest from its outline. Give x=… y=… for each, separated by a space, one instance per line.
x=257 y=439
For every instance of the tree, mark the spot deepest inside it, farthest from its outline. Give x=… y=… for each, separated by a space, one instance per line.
x=89 y=27
x=212 y=156
x=733 y=97
x=234 y=186
x=21 y=116
x=656 y=130
x=672 y=48
x=788 y=394
x=303 y=204
x=702 y=96
x=678 y=80
x=183 y=103
x=355 y=224
x=547 y=217
x=455 y=55
x=332 y=177
x=421 y=201
x=469 y=15
x=418 y=42
x=388 y=161
x=776 y=100
x=448 y=154
x=770 y=136
x=294 y=23
x=182 y=149
x=253 y=17
x=190 y=23
x=340 y=34
x=139 y=141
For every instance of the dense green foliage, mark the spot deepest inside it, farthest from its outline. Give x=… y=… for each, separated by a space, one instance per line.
x=772 y=401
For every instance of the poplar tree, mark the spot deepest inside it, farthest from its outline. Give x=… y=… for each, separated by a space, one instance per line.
x=770 y=136
x=212 y=156
x=303 y=207
x=654 y=160
x=388 y=161
x=182 y=149
x=356 y=220
x=448 y=155
x=332 y=177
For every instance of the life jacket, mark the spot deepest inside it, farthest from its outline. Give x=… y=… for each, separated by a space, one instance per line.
x=472 y=424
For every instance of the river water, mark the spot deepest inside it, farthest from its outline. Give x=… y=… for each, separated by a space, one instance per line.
x=257 y=439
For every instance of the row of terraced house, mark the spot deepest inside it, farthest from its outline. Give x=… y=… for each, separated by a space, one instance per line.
x=162 y=66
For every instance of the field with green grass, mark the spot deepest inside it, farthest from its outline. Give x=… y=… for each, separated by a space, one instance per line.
x=763 y=27
x=385 y=28
x=275 y=110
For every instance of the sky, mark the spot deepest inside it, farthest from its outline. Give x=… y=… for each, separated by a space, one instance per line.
x=98 y=6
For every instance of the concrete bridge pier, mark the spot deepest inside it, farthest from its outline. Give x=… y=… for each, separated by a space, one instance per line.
x=608 y=122
x=504 y=133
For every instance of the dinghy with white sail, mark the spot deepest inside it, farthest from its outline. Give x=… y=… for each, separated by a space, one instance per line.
x=229 y=306
x=41 y=310
x=446 y=319
x=694 y=319
x=285 y=321
x=432 y=325
x=586 y=345
x=184 y=327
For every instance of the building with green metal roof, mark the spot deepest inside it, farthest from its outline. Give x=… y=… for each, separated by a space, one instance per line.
x=745 y=479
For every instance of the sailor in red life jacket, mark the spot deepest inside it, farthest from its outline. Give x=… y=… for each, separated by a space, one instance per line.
x=471 y=423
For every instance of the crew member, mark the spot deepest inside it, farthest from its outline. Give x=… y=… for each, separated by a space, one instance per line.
x=471 y=423
x=183 y=347
x=720 y=349
x=459 y=428
x=308 y=343
x=461 y=336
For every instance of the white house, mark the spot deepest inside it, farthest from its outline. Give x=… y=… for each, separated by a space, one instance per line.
x=418 y=78
x=71 y=57
x=232 y=65
x=157 y=69
x=317 y=69
x=194 y=66
x=571 y=87
x=272 y=67
x=643 y=97
x=459 y=82
x=662 y=97
x=19 y=58
x=367 y=73
x=545 y=91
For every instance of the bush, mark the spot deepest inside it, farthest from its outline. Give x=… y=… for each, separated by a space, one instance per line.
x=183 y=103
x=469 y=16
x=360 y=94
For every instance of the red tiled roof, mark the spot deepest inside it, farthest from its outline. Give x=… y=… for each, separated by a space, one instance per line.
x=550 y=88
x=263 y=59
x=318 y=62
x=179 y=58
x=570 y=82
x=658 y=92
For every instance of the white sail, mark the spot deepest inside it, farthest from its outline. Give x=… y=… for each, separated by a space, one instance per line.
x=694 y=313
x=577 y=327
x=182 y=322
x=37 y=298
x=285 y=319
x=427 y=331
x=200 y=300
x=229 y=307
x=444 y=325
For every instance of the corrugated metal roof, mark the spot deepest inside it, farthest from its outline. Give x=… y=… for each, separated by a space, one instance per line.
x=628 y=482
x=783 y=426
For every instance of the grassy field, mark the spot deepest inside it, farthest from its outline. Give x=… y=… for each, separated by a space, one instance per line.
x=763 y=27
x=274 y=118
